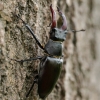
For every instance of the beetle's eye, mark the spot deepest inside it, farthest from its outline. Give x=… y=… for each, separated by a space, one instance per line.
x=66 y=32
x=53 y=30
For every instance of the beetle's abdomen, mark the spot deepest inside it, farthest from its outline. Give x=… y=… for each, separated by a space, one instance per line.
x=54 y=48
x=48 y=74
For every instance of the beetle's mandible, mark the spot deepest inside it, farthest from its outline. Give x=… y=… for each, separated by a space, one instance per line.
x=51 y=62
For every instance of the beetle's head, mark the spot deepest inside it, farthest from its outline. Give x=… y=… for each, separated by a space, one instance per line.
x=55 y=33
x=58 y=34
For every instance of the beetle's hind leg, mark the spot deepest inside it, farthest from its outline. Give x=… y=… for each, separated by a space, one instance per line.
x=35 y=81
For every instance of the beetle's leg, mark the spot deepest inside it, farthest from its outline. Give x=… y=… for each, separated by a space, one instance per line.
x=49 y=25
x=53 y=17
x=30 y=59
x=35 y=81
x=75 y=30
x=64 y=26
x=37 y=41
x=30 y=30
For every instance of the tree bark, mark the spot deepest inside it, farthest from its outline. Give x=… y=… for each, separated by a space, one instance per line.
x=17 y=43
x=82 y=50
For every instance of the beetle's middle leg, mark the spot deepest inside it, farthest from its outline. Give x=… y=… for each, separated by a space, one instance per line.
x=30 y=59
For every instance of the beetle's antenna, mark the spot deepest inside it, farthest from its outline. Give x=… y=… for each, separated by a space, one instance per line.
x=64 y=26
x=53 y=17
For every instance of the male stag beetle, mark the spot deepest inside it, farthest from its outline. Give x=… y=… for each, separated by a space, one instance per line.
x=51 y=62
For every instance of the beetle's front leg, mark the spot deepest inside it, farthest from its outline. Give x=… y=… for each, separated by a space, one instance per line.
x=31 y=31
x=64 y=26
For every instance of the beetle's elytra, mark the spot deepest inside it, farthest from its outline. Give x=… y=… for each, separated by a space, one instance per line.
x=51 y=62
x=48 y=74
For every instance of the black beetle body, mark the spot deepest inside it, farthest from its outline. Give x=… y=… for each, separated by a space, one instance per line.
x=50 y=64
x=54 y=48
x=54 y=45
x=48 y=74
x=58 y=34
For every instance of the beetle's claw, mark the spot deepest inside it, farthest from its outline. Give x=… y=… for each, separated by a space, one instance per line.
x=64 y=26
x=53 y=17
x=59 y=10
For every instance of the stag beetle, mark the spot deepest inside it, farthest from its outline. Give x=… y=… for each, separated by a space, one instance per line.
x=51 y=62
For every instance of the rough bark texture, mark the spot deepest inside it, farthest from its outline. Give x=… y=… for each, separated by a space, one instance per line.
x=17 y=43
x=83 y=50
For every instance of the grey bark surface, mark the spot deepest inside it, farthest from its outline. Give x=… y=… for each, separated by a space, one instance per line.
x=81 y=50
x=17 y=43
x=82 y=79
